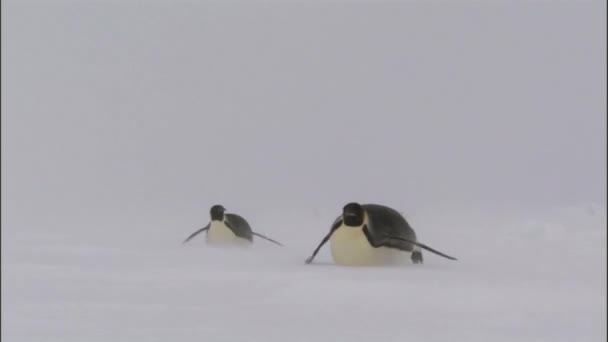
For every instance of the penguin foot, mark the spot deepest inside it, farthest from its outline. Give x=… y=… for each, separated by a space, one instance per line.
x=417 y=257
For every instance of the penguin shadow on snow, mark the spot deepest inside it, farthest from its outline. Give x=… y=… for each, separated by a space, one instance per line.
x=373 y=235
x=228 y=230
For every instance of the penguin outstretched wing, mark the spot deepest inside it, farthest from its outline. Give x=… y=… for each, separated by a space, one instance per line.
x=196 y=233
x=392 y=239
x=337 y=223
x=421 y=245
x=241 y=228
x=267 y=238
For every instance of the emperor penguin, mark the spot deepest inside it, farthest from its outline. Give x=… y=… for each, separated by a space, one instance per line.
x=373 y=235
x=228 y=229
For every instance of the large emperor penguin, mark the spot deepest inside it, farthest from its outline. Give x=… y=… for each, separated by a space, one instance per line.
x=228 y=229
x=372 y=235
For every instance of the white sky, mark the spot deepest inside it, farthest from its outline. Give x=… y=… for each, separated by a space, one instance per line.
x=115 y=110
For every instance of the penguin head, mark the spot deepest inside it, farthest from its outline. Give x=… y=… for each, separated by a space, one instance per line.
x=217 y=213
x=353 y=214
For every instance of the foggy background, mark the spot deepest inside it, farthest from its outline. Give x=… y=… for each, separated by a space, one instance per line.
x=118 y=115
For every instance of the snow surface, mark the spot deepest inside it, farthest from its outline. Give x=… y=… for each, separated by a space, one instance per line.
x=527 y=276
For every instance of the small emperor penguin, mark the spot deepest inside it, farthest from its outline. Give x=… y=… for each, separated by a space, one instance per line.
x=228 y=230
x=373 y=235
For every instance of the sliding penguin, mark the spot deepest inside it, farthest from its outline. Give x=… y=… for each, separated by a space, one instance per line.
x=372 y=235
x=228 y=230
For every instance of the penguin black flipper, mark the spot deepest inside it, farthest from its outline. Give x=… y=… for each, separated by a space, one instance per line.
x=239 y=226
x=196 y=233
x=267 y=238
x=421 y=245
x=337 y=223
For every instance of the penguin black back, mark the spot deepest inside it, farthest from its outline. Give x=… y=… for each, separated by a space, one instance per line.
x=239 y=226
x=384 y=221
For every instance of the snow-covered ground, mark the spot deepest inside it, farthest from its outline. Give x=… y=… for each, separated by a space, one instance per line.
x=521 y=276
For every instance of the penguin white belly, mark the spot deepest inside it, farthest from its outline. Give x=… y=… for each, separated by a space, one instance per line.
x=220 y=235
x=350 y=247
